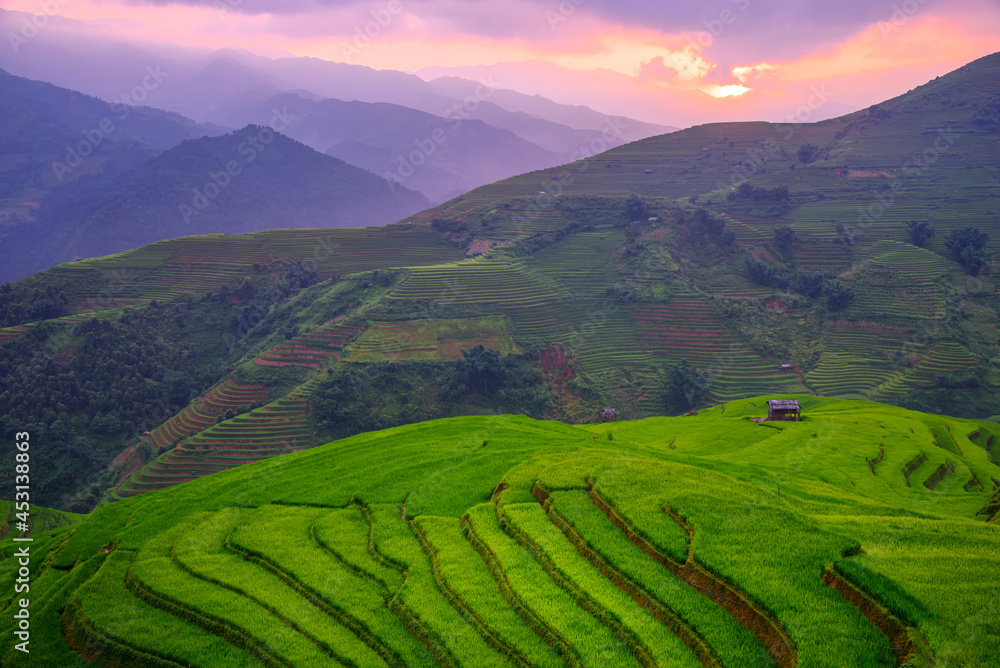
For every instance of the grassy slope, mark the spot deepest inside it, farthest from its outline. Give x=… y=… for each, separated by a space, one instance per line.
x=920 y=331
x=769 y=506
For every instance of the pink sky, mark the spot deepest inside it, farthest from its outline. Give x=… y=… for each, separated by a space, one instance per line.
x=657 y=61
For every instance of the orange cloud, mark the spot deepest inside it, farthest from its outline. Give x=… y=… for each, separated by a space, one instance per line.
x=638 y=71
x=923 y=40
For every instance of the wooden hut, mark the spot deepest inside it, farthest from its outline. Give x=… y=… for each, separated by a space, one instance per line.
x=783 y=409
x=609 y=414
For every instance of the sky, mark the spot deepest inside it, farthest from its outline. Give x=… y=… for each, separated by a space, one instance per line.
x=664 y=61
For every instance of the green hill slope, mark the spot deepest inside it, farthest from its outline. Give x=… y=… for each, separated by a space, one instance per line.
x=605 y=283
x=853 y=537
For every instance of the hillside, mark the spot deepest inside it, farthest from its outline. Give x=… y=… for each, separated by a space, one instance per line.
x=42 y=126
x=244 y=181
x=639 y=279
x=453 y=155
x=692 y=541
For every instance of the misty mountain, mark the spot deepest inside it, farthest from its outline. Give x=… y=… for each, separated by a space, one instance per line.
x=54 y=139
x=577 y=117
x=252 y=179
x=207 y=85
x=440 y=157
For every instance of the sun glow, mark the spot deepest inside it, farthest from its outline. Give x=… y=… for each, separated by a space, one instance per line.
x=732 y=90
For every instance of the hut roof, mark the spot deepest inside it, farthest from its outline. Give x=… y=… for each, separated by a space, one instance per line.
x=608 y=412
x=783 y=404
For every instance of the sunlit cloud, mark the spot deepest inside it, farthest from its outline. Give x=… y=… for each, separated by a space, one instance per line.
x=726 y=91
x=631 y=57
x=752 y=71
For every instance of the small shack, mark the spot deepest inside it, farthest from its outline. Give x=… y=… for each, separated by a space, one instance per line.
x=783 y=409
x=609 y=415
x=786 y=367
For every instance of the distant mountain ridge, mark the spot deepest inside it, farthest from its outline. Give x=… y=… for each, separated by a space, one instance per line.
x=47 y=133
x=440 y=157
x=244 y=181
x=201 y=84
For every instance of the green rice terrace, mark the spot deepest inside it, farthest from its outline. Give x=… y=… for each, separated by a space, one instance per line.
x=862 y=535
x=594 y=282
x=430 y=339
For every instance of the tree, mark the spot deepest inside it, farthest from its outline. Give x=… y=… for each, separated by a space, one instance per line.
x=974 y=259
x=706 y=223
x=920 y=231
x=176 y=387
x=484 y=368
x=144 y=450
x=636 y=208
x=968 y=245
x=807 y=152
x=845 y=234
x=784 y=237
x=810 y=285
x=300 y=275
x=686 y=386
x=838 y=295
x=760 y=272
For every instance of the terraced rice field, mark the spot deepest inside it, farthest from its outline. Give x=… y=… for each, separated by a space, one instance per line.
x=918 y=264
x=606 y=341
x=483 y=281
x=856 y=362
x=825 y=256
x=401 y=548
x=315 y=349
x=942 y=358
x=686 y=329
x=581 y=265
x=430 y=339
x=203 y=411
x=169 y=269
x=885 y=293
x=11 y=333
x=40 y=520
x=280 y=427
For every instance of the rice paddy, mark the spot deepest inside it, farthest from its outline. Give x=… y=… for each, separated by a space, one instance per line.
x=693 y=541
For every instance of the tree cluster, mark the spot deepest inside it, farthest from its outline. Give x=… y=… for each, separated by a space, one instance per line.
x=784 y=237
x=685 y=387
x=356 y=398
x=19 y=305
x=85 y=391
x=636 y=208
x=750 y=193
x=920 y=232
x=806 y=153
x=968 y=246
x=838 y=295
x=810 y=284
x=707 y=225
